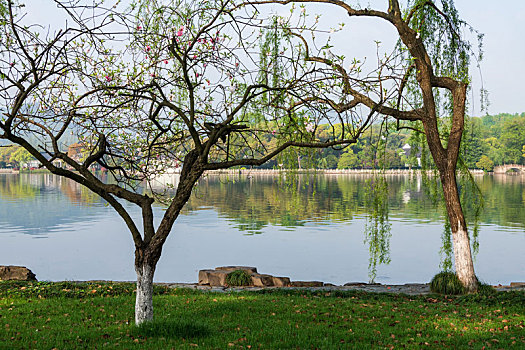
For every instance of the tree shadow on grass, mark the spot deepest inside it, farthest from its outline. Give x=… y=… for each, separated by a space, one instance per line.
x=171 y=329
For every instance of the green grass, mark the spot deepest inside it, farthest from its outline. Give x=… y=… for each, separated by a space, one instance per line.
x=71 y=315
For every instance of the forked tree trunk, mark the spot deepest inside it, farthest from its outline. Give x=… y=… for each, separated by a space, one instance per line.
x=144 y=300
x=461 y=243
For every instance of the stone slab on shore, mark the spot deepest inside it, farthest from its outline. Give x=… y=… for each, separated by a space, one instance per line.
x=217 y=277
x=16 y=273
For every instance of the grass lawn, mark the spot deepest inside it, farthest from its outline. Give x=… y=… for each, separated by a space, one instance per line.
x=44 y=315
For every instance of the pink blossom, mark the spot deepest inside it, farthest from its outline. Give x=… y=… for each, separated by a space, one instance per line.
x=148 y=48
x=165 y=61
x=139 y=27
x=194 y=56
x=180 y=31
x=108 y=78
x=197 y=75
x=274 y=132
x=153 y=75
x=310 y=127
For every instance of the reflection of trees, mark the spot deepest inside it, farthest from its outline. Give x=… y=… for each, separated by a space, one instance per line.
x=28 y=186
x=12 y=188
x=292 y=200
x=286 y=201
x=77 y=193
x=253 y=202
x=504 y=199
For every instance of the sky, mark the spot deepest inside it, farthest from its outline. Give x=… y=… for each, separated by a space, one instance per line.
x=503 y=23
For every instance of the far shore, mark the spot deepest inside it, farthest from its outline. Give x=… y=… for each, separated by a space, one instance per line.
x=327 y=171
x=278 y=171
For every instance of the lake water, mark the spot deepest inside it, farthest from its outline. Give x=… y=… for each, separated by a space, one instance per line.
x=305 y=227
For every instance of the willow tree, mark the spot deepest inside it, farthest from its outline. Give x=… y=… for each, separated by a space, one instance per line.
x=423 y=85
x=143 y=90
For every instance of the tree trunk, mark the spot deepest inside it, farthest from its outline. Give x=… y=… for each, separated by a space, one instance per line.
x=462 y=253
x=144 y=300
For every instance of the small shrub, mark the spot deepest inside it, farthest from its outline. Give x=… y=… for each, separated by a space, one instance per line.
x=485 y=289
x=446 y=283
x=238 y=278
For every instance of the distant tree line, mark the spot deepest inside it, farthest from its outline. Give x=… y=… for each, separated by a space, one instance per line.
x=14 y=156
x=488 y=141
x=494 y=140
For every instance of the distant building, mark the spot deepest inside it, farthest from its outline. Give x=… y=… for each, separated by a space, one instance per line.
x=407 y=149
x=408 y=152
x=76 y=151
x=36 y=164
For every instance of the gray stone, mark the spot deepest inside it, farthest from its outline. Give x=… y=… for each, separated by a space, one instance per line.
x=349 y=284
x=18 y=273
x=306 y=284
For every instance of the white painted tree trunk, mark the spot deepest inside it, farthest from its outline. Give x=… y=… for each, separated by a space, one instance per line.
x=463 y=259
x=144 y=301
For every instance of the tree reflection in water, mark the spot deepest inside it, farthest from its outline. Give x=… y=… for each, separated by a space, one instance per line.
x=253 y=202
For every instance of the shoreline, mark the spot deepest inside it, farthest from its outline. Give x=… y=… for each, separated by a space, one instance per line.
x=407 y=288
x=274 y=172
x=416 y=172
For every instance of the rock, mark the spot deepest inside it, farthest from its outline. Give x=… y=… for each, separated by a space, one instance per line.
x=517 y=284
x=18 y=273
x=249 y=269
x=351 y=284
x=214 y=278
x=203 y=277
x=260 y=280
x=281 y=281
x=306 y=284
x=217 y=278
x=329 y=285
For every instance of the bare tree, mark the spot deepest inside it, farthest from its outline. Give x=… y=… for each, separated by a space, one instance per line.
x=142 y=90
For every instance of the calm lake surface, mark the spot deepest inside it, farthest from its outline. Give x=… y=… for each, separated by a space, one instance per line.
x=305 y=227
